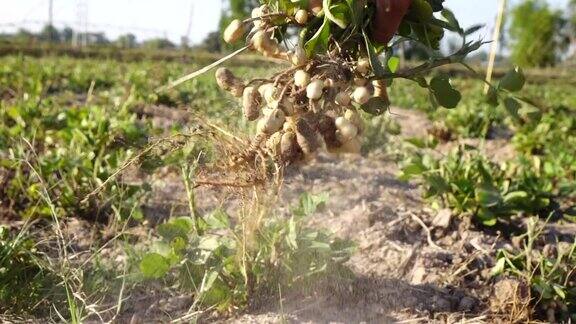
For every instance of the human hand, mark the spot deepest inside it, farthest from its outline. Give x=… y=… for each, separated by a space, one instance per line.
x=389 y=15
x=315 y=6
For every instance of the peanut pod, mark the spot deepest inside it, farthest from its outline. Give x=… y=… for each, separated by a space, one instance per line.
x=251 y=103
x=234 y=31
x=271 y=122
x=289 y=149
x=227 y=81
x=306 y=137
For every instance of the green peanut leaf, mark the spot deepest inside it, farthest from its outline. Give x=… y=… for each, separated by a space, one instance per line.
x=320 y=40
x=413 y=169
x=376 y=106
x=559 y=291
x=487 y=217
x=393 y=64
x=423 y=10
x=512 y=107
x=451 y=19
x=218 y=219
x=492 y=97
x=515 y=197
x=487 y=196
x=336 y=13
x=499 y=267
x=177 y=227
x=356 y=12
x=513 y=81
x=530 y=112
x=444 y=93
x=154 y=266
x=373 y=56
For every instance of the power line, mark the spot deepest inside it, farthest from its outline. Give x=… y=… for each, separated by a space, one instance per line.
x=190 y=19
x=50 y=12
x=81 y=38
x=186 y=37
x=82 y=26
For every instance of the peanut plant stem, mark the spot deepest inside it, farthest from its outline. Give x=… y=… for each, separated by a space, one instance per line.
x=187 y=172
x=418 y=70
x=201 y=71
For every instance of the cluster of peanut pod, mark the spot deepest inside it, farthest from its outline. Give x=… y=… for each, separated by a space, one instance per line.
x=310 y=106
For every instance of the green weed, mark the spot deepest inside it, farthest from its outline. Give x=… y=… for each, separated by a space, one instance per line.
x=550 y=271
x=26 y=279
x=469 y=183
x=228 y=261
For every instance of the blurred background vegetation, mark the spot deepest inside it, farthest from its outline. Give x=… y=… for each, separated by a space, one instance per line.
x=536 y=35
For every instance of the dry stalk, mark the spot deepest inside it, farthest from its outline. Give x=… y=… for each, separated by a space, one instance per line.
x=428 y=232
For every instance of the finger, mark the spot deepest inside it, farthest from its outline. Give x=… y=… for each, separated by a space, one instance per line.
x=389 y=15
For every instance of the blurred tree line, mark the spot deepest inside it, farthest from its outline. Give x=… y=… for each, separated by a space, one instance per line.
x=236 y=9
x=68 y=36
x=539 y=35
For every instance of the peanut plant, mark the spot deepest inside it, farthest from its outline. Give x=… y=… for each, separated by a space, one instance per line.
x=469 y=183
x=335 y=49
x=336 y=69
x=226 y=265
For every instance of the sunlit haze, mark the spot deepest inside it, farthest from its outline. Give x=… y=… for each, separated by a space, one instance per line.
x=171 y=18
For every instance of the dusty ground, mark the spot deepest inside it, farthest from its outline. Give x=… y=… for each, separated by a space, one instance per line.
x=402 y=274
x=413 y=264
x=399 y=274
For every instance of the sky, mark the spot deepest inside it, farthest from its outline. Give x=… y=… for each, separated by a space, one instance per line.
x=171 y=18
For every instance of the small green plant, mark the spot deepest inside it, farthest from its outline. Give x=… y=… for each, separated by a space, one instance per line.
x=535 y=138
x=550 y=271
x=473 y=119
x=552 y=141
x=73 y=151
x=469 y=183
x=225 y=261
x=25 y=276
